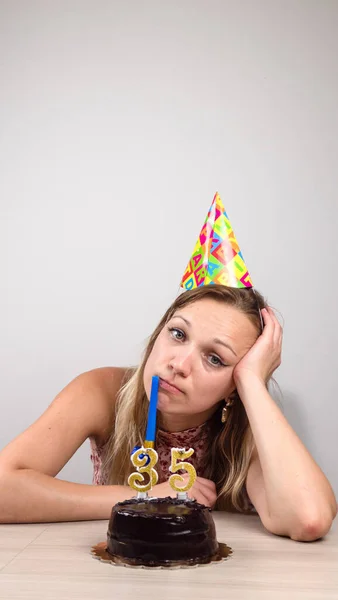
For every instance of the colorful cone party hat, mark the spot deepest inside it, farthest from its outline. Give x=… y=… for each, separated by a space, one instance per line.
x=216 y=257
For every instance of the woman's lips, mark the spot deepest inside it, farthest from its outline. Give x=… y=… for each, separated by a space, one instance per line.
x=169 y=387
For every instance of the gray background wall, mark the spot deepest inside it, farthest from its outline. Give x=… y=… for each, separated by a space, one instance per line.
x=119 y=121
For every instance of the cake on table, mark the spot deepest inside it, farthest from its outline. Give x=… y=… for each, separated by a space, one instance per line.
x=161 y=532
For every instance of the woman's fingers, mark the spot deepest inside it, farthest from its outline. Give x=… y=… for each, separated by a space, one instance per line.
x=207 y=482
x=203 y=490
x=273 y=326
x=200 y=496
x=207 y=490
x=269 y=324
x=276 y=338
x=278 y=330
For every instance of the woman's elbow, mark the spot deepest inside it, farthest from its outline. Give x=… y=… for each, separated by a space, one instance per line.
x=3 y=497
x=313 y=526
x=8 y=496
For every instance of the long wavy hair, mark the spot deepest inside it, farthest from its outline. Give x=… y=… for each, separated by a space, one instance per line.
x=228 y=457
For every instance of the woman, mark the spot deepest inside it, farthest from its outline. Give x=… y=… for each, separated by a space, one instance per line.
x=214 y=363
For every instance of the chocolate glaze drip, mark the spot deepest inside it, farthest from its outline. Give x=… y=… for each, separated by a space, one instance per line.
x=161 y=530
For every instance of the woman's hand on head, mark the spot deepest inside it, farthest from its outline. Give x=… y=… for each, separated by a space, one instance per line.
x=203 y=491
x=265 y=355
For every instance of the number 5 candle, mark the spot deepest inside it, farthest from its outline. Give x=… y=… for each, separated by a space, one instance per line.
x=177 y=464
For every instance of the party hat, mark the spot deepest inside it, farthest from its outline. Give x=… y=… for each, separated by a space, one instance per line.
x=216 y=257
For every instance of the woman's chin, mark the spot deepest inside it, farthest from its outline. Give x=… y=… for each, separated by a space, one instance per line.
x=163 y=404
x=166 y=404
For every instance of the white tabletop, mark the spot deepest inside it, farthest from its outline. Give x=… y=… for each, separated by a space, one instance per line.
x=53 y=562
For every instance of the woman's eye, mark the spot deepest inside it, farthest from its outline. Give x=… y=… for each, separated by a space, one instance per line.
x=215 y=361
x=178 y=334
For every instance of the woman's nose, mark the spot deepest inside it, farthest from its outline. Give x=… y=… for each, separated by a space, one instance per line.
x=181 y=362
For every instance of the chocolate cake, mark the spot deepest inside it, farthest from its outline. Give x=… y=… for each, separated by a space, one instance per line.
x=161 y=532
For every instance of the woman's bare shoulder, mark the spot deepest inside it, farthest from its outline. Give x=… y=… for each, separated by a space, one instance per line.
x=110 y=380
x=107 y=382
x=91 y=397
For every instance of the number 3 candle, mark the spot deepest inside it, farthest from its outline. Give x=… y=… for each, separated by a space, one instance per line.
x=145 y=458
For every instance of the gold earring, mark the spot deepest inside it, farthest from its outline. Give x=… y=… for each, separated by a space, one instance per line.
x=224 y=415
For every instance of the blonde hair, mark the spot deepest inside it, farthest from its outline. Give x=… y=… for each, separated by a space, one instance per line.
x=228 y=457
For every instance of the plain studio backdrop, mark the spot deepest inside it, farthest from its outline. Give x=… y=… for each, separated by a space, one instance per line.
x=119 y=121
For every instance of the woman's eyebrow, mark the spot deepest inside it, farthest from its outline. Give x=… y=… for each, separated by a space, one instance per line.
x=183 y=318
x=218 y=341
x=215 y=340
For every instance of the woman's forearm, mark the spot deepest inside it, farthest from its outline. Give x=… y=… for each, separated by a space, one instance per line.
x=294 y=484
x=27 y=496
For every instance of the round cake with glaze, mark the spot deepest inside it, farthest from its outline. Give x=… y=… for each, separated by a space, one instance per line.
x=161 y=532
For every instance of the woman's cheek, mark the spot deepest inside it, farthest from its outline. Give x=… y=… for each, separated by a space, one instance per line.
x=147 y=377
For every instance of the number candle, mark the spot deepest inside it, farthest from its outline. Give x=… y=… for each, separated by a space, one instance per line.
x=179 y=454
x=144 y=459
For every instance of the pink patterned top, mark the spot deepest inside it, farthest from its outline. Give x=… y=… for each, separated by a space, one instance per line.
x=195 y=437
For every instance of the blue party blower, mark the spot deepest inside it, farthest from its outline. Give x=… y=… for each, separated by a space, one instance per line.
x=151 y=425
